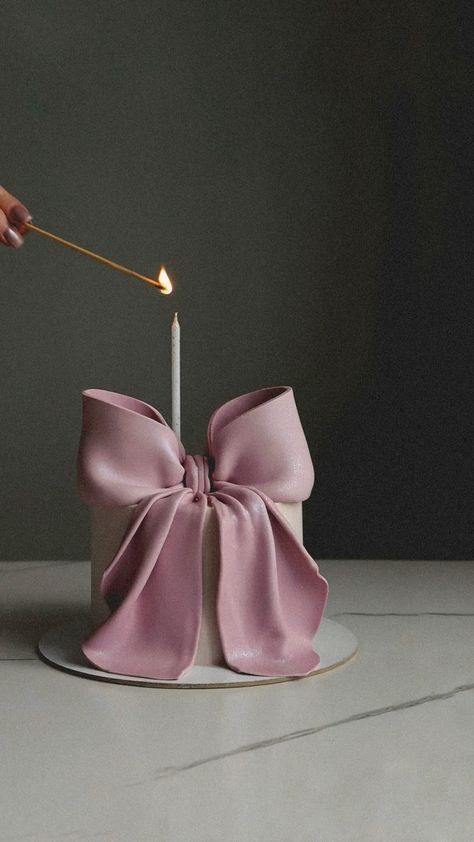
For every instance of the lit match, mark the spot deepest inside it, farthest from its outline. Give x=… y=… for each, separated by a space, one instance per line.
x=161 y=282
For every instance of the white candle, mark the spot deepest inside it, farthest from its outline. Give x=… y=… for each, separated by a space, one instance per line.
x=176 y=377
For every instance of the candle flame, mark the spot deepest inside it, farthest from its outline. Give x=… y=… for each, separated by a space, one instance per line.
x=166 y=285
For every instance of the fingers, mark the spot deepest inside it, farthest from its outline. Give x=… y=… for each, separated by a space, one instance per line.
x=9 y=234
x=13 y=215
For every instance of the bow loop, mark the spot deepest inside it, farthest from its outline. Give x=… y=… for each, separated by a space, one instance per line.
x=257 y=440
x=127 y=451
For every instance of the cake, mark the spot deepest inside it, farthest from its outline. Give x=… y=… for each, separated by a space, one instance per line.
x=199 y=560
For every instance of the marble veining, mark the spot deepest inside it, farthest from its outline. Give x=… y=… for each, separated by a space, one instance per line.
x=72 y=834
x=88 y=760
x=311 y=732
x=14 y=567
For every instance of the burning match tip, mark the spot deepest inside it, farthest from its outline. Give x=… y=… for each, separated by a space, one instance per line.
x=164 y=280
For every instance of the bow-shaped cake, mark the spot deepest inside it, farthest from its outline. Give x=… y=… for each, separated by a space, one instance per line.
x=271 y=596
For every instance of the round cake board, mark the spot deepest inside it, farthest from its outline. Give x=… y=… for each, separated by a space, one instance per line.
x=61 y=648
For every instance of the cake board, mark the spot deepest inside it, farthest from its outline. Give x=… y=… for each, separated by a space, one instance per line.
x=60 y=647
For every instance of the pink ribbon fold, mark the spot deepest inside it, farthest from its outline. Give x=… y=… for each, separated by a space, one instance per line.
x=271 y=596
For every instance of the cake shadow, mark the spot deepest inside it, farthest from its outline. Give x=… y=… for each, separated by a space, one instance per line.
x=22 y=627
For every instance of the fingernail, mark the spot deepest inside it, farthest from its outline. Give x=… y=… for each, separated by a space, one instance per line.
x=13 y=237
x=19 y=214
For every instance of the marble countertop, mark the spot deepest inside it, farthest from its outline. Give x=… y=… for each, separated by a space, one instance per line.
x=378 y=750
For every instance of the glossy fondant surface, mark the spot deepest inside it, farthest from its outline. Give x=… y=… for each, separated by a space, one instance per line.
x=270 y=594
x=108 y=526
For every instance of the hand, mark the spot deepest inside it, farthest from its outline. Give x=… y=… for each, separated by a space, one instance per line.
x=13 y=215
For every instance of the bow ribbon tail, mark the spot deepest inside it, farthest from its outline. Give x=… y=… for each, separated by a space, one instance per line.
x=271 y=596
x=154 y=587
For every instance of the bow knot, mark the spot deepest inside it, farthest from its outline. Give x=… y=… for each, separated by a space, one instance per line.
x=271 y=596
x=196 y=475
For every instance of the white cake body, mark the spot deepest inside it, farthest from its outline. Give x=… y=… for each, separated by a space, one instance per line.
x=108 y=529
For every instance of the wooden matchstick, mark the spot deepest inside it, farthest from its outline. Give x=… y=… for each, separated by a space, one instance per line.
x=162 y=282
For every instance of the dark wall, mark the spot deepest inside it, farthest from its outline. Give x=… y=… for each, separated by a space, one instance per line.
x=299 y=169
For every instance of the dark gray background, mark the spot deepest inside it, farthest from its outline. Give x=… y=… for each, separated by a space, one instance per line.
x=299 y=167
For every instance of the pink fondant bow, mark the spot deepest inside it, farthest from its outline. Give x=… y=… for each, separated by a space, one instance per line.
x=271 y=597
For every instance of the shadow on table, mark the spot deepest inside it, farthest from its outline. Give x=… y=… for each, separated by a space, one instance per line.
x=22 y=628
